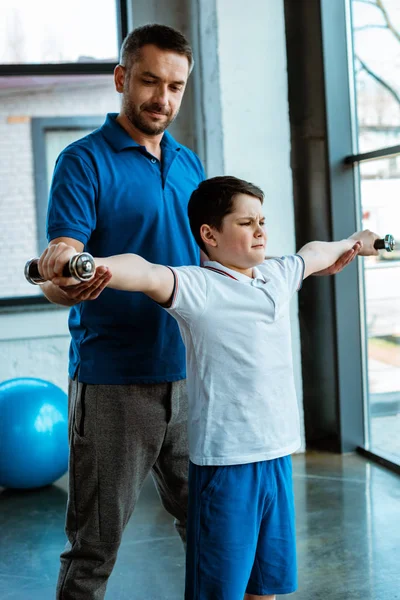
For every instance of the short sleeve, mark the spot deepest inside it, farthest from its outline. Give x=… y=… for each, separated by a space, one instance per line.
x=190 y=294
x=72 y=202
x=295 y=267
x=284 y=278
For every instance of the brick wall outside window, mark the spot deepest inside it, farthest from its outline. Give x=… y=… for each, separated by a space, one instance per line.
x=17 y=189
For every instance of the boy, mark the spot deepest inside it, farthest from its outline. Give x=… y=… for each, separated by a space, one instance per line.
x=233 y=314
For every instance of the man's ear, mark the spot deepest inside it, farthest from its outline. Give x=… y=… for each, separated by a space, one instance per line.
x=207 y=235
x=119 y=78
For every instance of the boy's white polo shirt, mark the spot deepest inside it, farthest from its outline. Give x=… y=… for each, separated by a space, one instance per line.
x=236 y=329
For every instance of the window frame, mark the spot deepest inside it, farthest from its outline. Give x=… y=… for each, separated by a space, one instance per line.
x=39 y=127
x=344 y=164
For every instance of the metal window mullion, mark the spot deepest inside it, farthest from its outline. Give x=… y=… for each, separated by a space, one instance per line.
x=122 y=20
x=373 y=155
x=21 y=301
x=95 y=68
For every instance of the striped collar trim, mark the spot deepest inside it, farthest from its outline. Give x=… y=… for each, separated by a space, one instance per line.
x=215 y=266
x=225 y=273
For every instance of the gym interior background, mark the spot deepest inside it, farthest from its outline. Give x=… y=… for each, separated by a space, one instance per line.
x=302 y=97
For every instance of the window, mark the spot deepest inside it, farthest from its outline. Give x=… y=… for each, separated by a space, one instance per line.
x=45 y=32
x=376 y=42
x=54 y=88
x=376 y=33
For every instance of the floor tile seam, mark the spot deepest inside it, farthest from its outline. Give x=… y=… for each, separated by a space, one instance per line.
x=147 y=540
x=27 y=577
x=329 y=478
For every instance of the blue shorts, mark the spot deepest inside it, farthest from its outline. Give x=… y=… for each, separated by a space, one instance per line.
x=241 y=531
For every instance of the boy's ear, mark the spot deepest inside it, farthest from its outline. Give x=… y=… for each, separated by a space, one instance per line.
x=207 y=235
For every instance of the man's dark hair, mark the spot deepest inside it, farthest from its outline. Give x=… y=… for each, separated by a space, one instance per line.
x=214 y=199
x=162 y=36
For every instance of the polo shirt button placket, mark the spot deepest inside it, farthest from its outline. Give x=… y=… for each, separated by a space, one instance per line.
x=258 y=282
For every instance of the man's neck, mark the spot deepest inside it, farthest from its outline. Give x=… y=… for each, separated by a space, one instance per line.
x=151 y=142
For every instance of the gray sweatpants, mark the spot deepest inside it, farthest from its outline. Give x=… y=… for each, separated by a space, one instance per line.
x=118 y=434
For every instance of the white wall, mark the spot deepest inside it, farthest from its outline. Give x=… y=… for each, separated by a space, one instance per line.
x=244 y=103
x=34 y=343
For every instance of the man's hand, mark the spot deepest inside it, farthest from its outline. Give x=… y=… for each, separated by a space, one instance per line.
x=51 y=264
x=52 y=261
x=342 y=262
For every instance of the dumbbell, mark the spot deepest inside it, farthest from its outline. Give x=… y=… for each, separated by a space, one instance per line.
x=81 y=266
x=388 y=243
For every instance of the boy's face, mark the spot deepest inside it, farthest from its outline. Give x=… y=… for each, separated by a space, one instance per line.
x=242 y=240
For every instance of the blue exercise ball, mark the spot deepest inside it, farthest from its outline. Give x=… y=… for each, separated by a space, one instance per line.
x=33 y=433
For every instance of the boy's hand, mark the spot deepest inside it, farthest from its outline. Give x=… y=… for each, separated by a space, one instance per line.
x=88 y=290
x=367 y=239
x=342 y=262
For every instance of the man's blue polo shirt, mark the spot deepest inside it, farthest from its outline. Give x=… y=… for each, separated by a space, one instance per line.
x=109 y=193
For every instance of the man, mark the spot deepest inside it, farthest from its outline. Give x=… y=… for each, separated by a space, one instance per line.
x=125 y=188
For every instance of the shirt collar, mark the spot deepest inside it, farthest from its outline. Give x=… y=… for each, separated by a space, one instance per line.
x=230 y=272
x=120 y=139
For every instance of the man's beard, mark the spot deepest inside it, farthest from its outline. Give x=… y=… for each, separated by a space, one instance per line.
x=137 y=119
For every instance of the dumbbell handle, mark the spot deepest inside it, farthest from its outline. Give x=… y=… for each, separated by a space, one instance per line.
x=81 y=266
x=387 y=243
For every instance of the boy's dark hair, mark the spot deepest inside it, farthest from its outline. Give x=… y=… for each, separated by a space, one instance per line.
x=162 y=36
x=214 y=199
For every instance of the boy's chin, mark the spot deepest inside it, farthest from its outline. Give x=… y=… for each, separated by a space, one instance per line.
x=245 y=262
x=253 y=262
x=258 y=257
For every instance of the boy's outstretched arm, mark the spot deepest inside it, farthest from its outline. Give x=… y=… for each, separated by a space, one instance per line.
x=133 y=273
x=342 y=262
x=130 y=272
x=321 y=255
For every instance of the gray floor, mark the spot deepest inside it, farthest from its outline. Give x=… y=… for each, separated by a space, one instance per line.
x=348 y=523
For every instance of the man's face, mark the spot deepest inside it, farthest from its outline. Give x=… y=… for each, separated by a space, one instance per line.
x=153 y=89
x=242 y=240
